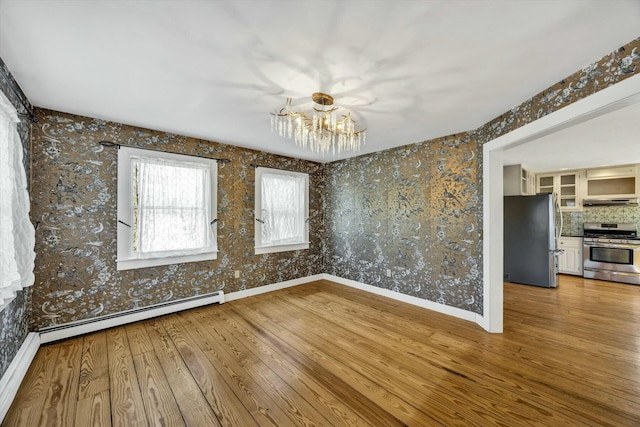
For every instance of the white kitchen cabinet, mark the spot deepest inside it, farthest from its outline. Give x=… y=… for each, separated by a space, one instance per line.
x=518 y=181
x=530 y=182
x=564 y=184
x=570 y=261
x=613 y=182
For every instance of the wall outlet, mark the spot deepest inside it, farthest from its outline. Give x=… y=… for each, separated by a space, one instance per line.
x=388 y=272
x=236 y=274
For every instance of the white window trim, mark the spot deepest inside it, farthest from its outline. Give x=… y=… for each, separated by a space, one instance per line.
x=125 y=259
x=266 y=249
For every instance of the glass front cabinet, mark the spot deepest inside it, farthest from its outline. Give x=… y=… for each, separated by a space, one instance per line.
x=566 y=185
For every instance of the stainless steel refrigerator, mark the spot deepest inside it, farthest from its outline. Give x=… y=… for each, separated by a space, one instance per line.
x=530 y=235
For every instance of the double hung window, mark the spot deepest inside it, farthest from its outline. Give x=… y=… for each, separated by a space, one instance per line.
x=166 y=208
x=282 y=211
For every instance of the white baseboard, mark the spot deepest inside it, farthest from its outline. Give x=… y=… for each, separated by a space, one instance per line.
x=71 y=330
x=12 y=378
x=484 y=323
x=84 y=327
x=430 y=305
x=273 y=287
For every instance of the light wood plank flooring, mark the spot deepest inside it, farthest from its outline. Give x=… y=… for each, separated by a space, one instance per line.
x=324 y=354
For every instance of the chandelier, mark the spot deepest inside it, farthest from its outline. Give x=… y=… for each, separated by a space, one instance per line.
x=321 y=131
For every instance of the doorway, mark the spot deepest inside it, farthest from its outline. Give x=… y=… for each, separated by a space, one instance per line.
x=612 y=98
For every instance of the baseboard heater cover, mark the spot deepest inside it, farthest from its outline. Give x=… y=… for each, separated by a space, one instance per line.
x=79 y=327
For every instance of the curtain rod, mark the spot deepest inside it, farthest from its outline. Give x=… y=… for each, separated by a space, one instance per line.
x=254 y=165
x=113 y=144
x=28 y=115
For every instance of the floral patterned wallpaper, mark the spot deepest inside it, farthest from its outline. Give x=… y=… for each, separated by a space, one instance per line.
x=14 y=319
x=609 y=70
x=74 y=198
x=415 y=211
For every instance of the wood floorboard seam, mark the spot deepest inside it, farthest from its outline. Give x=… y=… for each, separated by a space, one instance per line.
x=374 y=379
x=328 y=354
x=277 y=346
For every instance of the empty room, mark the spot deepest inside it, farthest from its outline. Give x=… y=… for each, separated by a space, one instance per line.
x=319 y=213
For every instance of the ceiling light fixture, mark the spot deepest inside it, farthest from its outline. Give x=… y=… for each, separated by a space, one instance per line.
x=321 y=131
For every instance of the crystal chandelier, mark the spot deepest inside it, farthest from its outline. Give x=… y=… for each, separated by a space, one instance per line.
x=322 y=131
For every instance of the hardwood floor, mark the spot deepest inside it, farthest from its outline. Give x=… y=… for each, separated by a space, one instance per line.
x=325 y=354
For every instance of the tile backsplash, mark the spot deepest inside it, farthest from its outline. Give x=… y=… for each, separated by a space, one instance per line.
x=573 y=221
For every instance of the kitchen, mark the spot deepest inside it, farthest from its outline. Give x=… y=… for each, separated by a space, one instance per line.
x=593 y=169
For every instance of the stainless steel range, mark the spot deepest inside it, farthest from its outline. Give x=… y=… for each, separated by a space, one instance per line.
x=611 y=252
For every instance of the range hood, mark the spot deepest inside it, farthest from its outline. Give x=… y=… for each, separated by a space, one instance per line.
x=610 y=202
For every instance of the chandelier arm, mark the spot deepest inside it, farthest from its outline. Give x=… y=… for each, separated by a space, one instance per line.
x=331 y=110
x=322 y=131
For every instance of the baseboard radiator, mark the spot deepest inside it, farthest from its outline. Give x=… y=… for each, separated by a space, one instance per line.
x=71 y=329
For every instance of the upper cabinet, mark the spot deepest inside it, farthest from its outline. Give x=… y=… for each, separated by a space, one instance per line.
x=572 y=187
x=566 y=185
x=612 y=182
x=518 y=181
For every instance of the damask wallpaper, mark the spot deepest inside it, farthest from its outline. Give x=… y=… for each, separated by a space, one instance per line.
x=14 y=319
x=74 y=198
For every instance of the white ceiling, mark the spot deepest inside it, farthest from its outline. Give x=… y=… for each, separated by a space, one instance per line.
x=609 y=139
x=407 y=70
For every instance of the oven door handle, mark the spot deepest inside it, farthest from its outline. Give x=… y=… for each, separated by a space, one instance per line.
x=620 y=273
x=611 y=245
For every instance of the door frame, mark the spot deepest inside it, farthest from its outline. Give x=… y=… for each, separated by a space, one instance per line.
x=612 y=98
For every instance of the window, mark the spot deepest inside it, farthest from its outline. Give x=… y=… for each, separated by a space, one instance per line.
x=166 y=208
x=282 y=210
x=17 y=235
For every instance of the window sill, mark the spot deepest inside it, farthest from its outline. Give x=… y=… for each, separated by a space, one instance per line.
x=281 y=248
x=133 y=263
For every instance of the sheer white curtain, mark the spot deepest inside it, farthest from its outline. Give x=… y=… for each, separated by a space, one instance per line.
x=171 y=208
x=17 y=235
x=283 y=209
